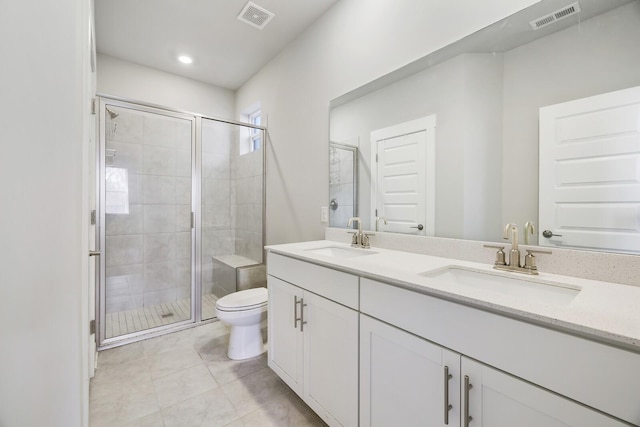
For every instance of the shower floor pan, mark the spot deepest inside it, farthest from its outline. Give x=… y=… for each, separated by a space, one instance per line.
x=126 y=322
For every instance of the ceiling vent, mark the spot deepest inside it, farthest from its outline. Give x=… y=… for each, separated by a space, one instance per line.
x=549 y=19
x=255 y=15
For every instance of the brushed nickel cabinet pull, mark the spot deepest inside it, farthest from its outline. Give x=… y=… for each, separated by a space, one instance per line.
x=302 y=321
x=447 y=405
x=295 y=312
x=467 y=386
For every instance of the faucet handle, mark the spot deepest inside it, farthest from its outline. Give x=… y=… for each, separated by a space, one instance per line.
x=538 y=251
x=500 y=255
x=365 y=240
x=354 y=239
x=530 y=259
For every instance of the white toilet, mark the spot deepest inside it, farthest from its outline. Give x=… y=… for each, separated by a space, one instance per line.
x=244 y=311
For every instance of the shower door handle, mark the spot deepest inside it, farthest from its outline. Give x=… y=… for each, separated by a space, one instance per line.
x=94 y=253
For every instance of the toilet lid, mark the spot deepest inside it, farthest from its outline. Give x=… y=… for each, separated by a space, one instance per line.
x=243 y=300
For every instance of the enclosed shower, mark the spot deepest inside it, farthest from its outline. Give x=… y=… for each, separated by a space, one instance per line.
x=180 y=217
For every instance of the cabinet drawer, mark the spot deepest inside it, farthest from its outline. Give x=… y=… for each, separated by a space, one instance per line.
x=334 y=285
x=598 y=375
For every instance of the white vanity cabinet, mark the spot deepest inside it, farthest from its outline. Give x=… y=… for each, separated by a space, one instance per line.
x=403 y=372
x=313 y=336
x=496 y=399
x=364 y=352
x=406 y=380
x=285 y=338
x=409 y=381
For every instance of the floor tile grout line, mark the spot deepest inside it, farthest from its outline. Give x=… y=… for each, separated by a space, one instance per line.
x=191 y=339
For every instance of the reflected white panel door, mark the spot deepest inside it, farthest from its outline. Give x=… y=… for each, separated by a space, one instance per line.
x=590 y=172
x=403 y=176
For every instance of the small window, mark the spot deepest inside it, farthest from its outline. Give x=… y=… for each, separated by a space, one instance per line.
x=255 y=134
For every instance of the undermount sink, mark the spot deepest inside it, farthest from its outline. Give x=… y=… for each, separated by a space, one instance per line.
x=340 y=252
x=522 y=287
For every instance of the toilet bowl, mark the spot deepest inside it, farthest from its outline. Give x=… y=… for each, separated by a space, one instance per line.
x=244 y=311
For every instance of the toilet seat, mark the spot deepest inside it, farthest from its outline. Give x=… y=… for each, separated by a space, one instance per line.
x=244 y=300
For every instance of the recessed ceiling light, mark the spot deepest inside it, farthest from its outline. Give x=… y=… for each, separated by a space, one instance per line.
x=185 y=59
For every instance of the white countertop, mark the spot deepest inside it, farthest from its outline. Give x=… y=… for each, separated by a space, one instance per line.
x=602 y=311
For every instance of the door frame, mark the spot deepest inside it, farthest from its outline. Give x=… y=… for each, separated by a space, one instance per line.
x=428 y=125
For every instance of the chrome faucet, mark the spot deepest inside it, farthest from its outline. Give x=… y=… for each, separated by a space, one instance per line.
x=378 y=219
x=360 y=239
x=513 y=263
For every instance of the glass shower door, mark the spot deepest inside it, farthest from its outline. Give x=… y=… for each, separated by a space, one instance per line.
x=343 y=184
x=146 y=170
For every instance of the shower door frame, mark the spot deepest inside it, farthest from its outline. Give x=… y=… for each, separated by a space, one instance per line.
x=101 y=336
x=102 y=341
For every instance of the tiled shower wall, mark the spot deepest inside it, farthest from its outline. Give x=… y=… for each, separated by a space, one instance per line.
x=148 y=250
x=236 y=197
x=247 y=174
x=217 y=219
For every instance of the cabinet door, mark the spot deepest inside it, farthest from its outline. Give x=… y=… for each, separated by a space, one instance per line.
x=497 y=399
x=402 y=379
x=285 y=338
x=331 y=360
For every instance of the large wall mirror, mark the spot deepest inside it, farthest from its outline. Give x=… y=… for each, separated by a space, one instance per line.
x=509 y=125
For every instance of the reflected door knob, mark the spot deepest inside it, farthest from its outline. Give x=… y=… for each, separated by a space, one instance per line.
x=419 y=227
x=548 y=234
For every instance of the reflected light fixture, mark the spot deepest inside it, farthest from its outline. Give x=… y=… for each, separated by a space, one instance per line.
x=185 y=59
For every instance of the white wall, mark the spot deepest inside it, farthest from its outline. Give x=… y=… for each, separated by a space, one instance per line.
x=136 y=82
x=43 y=263
x=355 y=42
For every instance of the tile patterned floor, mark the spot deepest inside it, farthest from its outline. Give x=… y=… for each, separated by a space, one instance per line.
x=126 y=322
x=185 y=379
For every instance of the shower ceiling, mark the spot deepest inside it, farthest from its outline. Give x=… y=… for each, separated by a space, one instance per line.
x=225 y=51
